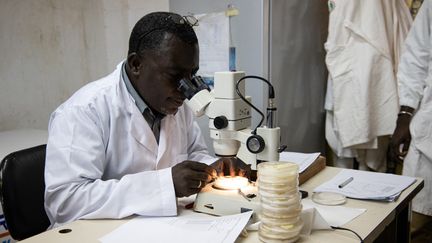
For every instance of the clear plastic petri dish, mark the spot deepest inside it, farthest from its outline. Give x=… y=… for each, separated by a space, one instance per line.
x=328 y=198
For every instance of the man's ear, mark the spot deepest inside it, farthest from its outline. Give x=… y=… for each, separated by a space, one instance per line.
x=134 y=62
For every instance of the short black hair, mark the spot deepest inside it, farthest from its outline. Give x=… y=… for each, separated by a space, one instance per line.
x=150 y=30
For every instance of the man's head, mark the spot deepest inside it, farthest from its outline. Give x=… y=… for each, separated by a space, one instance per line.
x=163 y=49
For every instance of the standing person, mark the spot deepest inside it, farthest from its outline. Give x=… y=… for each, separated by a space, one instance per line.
x=413 y=134
x=126 y=144
x=363 y=48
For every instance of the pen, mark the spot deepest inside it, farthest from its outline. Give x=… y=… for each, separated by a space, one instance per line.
x=244 y=195
x=346 y=182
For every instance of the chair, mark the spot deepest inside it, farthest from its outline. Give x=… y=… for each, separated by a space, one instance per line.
x=22 y=187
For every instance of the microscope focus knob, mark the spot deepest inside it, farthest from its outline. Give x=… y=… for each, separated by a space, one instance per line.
x=220 y=122
x=255 y=144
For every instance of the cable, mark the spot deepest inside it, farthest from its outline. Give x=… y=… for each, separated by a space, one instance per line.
x=341 y=228
x=270 y=94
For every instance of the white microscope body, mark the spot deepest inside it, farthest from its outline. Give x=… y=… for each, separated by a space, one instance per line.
x=230 y=121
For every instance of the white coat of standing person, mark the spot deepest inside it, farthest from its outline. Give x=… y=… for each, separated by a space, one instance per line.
x=412 y=139
x=126 y=144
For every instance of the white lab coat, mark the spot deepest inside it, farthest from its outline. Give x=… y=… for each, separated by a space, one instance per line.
x=103 y=160
x=363 y=46
x=415 y=82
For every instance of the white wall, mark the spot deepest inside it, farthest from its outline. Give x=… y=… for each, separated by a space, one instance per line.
x=50 y=48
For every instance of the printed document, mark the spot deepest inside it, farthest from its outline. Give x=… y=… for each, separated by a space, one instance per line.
x=192 y=228
x=367 y=185
x=213 y=35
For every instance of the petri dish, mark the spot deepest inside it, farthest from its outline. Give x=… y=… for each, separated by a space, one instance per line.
x=328 y=198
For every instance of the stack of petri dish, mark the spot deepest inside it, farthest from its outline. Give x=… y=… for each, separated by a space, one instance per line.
x=280 y=202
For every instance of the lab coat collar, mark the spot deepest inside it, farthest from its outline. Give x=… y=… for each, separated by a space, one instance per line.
x=140 y=103
x=138 y=127
x=141 y=131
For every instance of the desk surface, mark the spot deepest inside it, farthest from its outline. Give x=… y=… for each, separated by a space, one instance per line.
x=368 y=225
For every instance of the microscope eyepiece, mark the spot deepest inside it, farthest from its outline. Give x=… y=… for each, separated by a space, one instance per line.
x=189 y=87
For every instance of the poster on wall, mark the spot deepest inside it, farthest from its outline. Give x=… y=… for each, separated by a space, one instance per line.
x=213 y=38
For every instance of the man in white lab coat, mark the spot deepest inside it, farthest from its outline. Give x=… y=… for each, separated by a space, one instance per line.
x=126 y=144
x=413 y=134
x=363 y=47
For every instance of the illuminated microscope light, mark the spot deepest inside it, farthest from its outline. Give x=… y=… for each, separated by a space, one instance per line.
x=231 y=183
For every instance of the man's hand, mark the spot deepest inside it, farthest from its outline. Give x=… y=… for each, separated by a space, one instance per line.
x=232 y=166
x=401 y=139
x=190 y=176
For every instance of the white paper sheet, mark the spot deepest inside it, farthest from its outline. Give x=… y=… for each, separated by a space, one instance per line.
x=304 y=160
x=313 y=220
x=367 y=185
x=213 y=38
x=334 y=215
x=192 y=228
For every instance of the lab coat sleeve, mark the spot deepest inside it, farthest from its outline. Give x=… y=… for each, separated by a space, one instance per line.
x=413 y=68
x=75 y=188
x=197 y=148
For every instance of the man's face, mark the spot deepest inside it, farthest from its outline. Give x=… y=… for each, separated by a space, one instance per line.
x=161 y=71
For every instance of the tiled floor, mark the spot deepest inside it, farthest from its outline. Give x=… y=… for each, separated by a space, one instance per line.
x=424 y=235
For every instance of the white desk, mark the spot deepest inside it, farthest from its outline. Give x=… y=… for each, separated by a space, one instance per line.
x=383 y=220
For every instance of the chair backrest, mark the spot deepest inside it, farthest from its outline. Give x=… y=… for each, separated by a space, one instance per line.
x=22 y=189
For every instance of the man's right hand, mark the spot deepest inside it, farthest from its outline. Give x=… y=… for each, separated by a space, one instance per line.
x=190 y=176
x=401 y=138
